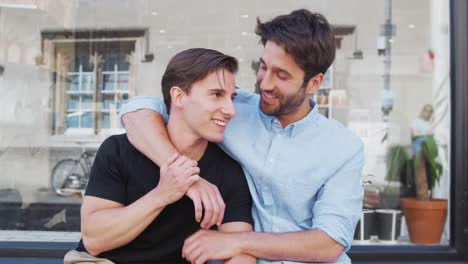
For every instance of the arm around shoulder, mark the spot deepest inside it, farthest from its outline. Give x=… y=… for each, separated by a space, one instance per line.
x=144 y=120
x=147 y=132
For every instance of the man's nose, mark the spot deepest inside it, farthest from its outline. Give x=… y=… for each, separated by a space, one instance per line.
x=229 y=108
x=266 y=82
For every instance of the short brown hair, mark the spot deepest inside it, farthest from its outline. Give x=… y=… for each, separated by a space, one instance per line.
x=306 y=36
x=192 y=65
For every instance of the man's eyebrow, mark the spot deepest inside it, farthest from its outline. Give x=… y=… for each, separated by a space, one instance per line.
x=278 y=69
x=217 y=89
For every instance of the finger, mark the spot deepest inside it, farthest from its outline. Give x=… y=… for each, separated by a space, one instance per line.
x=170 y=160
x=189 y=163
x=191 y=180
x=192 y=238
x=207 y=210
x=200 y=258
x=193 y=163
x=194 y=254
x=184 y=250
x=216 y=207
x=198 y=208
x=179 y=161
x=222 y=207
x=192 y=171
x=188 y=247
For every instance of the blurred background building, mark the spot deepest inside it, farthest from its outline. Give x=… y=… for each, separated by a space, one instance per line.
x=66 y=67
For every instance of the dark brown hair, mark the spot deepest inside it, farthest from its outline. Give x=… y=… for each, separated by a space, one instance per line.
x=192 y=65
x=306 y=36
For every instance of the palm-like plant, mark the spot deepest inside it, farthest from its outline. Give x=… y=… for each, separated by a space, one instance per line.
x=417 y=169
x=397 y=160
x=426 y=162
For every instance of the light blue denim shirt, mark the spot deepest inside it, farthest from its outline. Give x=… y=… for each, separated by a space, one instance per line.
x=305 y=176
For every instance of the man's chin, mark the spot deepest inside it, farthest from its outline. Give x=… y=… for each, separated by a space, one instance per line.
x=268 y=109
x=215 y=139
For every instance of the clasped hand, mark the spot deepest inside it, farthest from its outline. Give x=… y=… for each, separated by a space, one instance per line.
x=179 y=176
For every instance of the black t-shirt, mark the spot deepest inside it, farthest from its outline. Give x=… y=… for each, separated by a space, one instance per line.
x=122 y=174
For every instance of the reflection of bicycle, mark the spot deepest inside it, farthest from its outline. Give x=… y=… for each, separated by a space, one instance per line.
x=70 y=176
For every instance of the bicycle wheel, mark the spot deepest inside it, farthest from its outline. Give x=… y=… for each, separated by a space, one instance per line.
x=68 y=177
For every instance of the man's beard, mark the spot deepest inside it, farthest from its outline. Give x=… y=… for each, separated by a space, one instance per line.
x=287 y=104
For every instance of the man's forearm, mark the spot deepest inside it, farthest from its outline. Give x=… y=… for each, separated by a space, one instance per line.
x=238 y=227
x=147 y=132
x=242 y=259
x=106 y=229
x=304 y=246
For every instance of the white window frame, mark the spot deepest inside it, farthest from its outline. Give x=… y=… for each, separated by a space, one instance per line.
x=98 y=104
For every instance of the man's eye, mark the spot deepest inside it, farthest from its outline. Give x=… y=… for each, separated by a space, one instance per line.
x=282 y=76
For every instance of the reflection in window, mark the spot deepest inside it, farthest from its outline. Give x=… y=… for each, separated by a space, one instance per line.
x=92 y=83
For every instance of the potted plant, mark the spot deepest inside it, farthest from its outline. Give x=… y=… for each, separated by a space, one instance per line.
x=425 y=216
x=399 y=178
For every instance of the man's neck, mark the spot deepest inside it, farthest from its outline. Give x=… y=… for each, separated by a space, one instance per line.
x=184 y=140
x=302 y=112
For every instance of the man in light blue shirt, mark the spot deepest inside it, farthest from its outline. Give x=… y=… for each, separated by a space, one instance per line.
x=303 y=170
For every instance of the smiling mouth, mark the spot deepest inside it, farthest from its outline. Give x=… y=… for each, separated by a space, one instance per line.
x=268 y=97
x=219 y=122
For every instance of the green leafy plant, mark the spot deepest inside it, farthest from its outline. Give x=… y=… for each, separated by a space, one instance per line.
x=422 y=171
x=398 y=166
x=397 y=159
x=426 y=163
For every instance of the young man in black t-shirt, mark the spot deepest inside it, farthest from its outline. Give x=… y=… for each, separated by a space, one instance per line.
x=135 y=212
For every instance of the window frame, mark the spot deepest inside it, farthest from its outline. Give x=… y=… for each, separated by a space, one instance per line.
x=52 y=38
x=458 y=248
x=97 y=91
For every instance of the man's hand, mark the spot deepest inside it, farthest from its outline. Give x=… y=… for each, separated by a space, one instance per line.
x=207 y=198
x=207 y=245
x=177 y=174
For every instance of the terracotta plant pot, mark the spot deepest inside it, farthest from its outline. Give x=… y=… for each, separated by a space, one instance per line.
x=425 y=219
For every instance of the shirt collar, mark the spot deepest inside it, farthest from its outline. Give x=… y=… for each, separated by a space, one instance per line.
x=272 y=123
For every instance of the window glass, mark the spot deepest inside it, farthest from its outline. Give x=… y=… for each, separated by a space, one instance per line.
x=70 y=65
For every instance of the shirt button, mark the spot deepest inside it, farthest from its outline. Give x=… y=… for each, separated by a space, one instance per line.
x=270 y=160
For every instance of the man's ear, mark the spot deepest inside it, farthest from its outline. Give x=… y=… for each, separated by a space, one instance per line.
x=314 y=83
x=177 y=96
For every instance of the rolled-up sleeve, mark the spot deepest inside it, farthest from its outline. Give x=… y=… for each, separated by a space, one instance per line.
x=339 y=201
x=144 y=102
